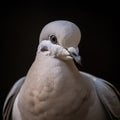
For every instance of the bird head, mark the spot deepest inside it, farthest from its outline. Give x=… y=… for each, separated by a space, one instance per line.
x=60 y=39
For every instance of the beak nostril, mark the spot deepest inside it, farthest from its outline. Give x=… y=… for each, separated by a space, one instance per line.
x=44 y=48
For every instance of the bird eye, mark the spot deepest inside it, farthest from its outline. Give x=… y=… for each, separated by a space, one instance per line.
x=53 y=39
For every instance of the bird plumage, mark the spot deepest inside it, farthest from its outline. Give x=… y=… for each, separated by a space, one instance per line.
x=54 y=89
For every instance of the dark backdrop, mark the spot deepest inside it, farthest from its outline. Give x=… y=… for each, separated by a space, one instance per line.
x=21 y=23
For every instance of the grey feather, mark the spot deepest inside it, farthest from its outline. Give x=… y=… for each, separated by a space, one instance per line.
x=8 y=105
x=109 y=97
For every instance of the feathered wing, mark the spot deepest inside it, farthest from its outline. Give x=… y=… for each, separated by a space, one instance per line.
x=8 y=105
x=109 y=97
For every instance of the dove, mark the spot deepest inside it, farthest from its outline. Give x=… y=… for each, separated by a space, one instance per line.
x=54 y=88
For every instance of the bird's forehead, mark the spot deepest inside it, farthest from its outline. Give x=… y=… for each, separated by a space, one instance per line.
x=68 y=33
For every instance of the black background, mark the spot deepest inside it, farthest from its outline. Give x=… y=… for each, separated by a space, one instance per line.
x=21 y=23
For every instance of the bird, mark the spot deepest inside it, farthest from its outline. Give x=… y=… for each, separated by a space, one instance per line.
x=55 y=89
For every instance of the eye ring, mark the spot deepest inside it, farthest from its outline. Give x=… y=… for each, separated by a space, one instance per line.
x=53 y=38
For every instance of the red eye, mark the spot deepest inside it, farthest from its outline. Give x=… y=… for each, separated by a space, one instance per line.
x=53 y=39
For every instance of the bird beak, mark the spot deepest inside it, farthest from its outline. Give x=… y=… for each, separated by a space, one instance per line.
x=74 y=53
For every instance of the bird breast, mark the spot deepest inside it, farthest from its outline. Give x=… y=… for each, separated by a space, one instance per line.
x=48 y=90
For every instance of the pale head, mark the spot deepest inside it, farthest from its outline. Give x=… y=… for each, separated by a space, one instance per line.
x=60 y=39
x=66 y=32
